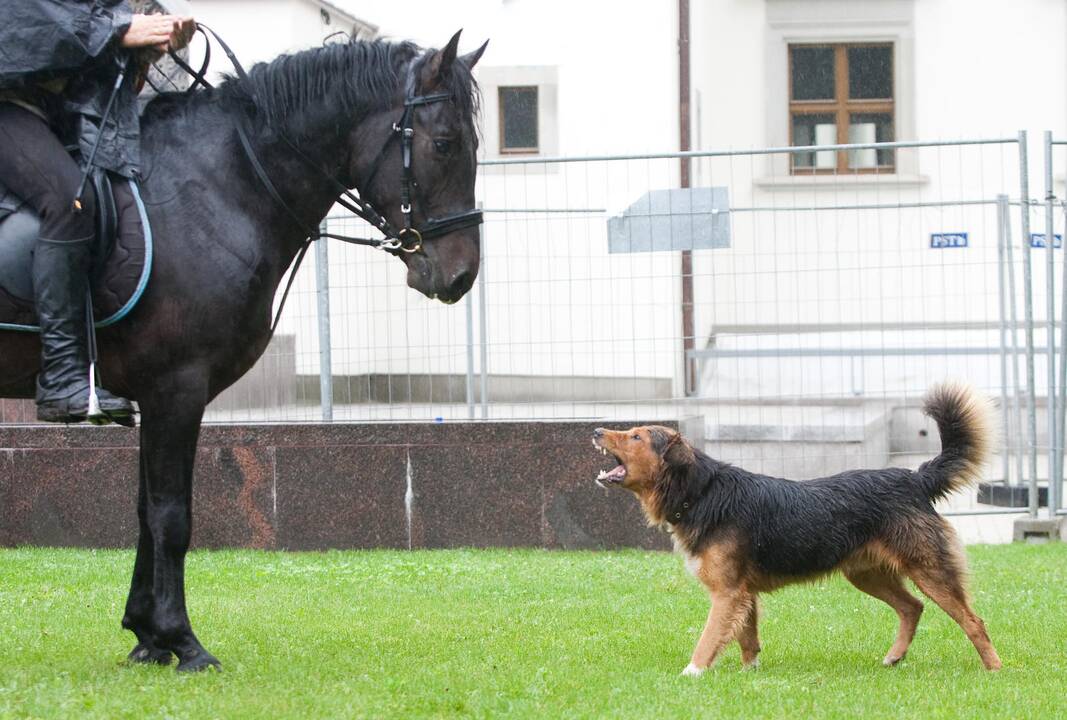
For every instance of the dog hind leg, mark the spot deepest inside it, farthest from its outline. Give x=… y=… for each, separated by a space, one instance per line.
x=889 y=588
x=945 y=588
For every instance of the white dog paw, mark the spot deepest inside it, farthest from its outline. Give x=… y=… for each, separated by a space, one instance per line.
x=692 y=670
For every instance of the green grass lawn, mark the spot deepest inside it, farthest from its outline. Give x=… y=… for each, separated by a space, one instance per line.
x=496 y=633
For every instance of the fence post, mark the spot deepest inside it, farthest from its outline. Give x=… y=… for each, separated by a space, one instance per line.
x=1050 y=308
x=322 y=292
x=483 y=338
x=1013 y=317
x=469 y=311
x=1002 y=218
x=1061 y=404
x=1028 y=313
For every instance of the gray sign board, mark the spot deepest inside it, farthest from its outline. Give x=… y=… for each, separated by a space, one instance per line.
x=675 y=219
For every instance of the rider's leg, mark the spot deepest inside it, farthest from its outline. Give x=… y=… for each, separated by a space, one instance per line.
x=35 y=165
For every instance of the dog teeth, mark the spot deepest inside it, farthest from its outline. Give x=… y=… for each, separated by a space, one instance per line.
x=603 y=451
x=603 y=475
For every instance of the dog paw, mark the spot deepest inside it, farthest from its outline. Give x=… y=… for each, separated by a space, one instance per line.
x=692 y=670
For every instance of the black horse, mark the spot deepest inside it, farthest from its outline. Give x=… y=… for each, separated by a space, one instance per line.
x=223 y=244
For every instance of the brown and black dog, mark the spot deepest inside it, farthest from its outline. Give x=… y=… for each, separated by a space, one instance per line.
x=743 y=534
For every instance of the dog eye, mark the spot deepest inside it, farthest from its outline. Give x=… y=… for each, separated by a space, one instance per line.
x=636 y=437
x=443 y=146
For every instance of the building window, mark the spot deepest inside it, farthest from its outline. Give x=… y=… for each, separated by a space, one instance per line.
x=841 y=94
x=519 y=132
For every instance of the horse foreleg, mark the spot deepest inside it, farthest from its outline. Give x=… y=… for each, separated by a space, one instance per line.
x=138 y=616
x=169 y=430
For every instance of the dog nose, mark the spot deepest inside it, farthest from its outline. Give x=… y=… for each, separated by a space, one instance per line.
x=599 y=432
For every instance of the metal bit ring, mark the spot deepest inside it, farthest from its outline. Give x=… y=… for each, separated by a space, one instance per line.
x=418 y=240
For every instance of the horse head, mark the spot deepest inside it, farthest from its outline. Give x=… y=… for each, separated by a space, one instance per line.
x=422 y=179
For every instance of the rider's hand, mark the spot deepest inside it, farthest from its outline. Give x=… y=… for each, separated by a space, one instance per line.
x=182 y=32
x=160 y=31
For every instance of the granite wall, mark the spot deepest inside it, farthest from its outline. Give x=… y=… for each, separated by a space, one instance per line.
x=312 y=487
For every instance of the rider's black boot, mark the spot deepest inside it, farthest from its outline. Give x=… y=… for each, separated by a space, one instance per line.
x=60 y=284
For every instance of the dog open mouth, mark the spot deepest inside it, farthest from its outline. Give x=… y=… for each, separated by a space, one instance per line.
x=615 y=475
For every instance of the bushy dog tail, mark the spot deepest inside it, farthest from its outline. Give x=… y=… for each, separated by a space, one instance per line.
x=964 y=419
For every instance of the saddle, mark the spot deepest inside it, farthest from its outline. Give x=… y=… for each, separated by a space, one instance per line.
x=122 y=254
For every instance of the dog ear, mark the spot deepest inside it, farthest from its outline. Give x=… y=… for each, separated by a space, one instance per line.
x=678 y=453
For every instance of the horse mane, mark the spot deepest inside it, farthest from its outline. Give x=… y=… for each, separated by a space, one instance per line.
x=312 y=89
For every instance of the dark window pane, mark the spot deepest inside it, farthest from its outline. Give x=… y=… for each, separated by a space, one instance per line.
x=869 y=128
x=870 y=73
x=518 y=110
x=813 y=72
x=815 y=130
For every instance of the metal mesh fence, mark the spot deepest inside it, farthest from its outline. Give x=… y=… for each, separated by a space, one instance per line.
x=799 y=343
x=796 y=339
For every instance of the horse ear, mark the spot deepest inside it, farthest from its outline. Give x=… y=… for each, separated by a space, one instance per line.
x=472 y=58
x=440 y=62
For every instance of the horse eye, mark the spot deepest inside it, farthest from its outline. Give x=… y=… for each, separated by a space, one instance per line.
x=443 y=146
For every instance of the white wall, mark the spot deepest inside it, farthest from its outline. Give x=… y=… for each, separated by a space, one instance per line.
x=988 y=67
x=261 y=30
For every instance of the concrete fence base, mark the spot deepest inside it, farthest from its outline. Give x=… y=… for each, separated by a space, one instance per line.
x=312 y=487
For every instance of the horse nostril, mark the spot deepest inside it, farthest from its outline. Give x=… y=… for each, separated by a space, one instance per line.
x=461 y=282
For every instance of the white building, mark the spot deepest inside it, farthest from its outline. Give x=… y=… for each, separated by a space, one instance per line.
x=606 y=76
x=607 y=81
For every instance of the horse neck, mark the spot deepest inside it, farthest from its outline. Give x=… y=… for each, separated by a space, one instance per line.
x=306 y=191
x=207 y=130
x=310 y=185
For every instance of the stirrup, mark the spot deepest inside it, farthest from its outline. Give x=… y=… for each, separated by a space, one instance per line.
x=94 y=415
x=113 y=410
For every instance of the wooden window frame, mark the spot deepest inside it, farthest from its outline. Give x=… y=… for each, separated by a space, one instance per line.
x=841 y=107
x=504 y=150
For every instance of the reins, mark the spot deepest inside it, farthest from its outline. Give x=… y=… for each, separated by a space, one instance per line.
x=408 y=239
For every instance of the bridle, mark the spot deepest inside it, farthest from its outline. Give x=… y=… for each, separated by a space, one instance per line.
x=408 y=239
x=433 y=227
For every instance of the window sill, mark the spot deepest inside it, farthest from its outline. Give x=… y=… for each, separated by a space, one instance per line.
x=836 y=182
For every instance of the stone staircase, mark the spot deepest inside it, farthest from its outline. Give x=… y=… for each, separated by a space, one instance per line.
x=797 y=442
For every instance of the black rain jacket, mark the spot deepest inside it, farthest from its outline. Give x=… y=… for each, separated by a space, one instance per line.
x=78 y=41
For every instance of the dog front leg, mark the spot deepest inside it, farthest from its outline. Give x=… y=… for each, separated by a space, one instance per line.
x=729 y=610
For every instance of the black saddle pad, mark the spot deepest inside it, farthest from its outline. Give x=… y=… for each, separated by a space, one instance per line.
x=121 y=269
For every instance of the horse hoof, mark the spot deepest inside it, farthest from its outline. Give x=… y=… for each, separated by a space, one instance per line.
x=203 y=660
x=143 y=654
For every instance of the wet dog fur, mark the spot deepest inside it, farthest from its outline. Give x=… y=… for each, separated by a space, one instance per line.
x=743 y=534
